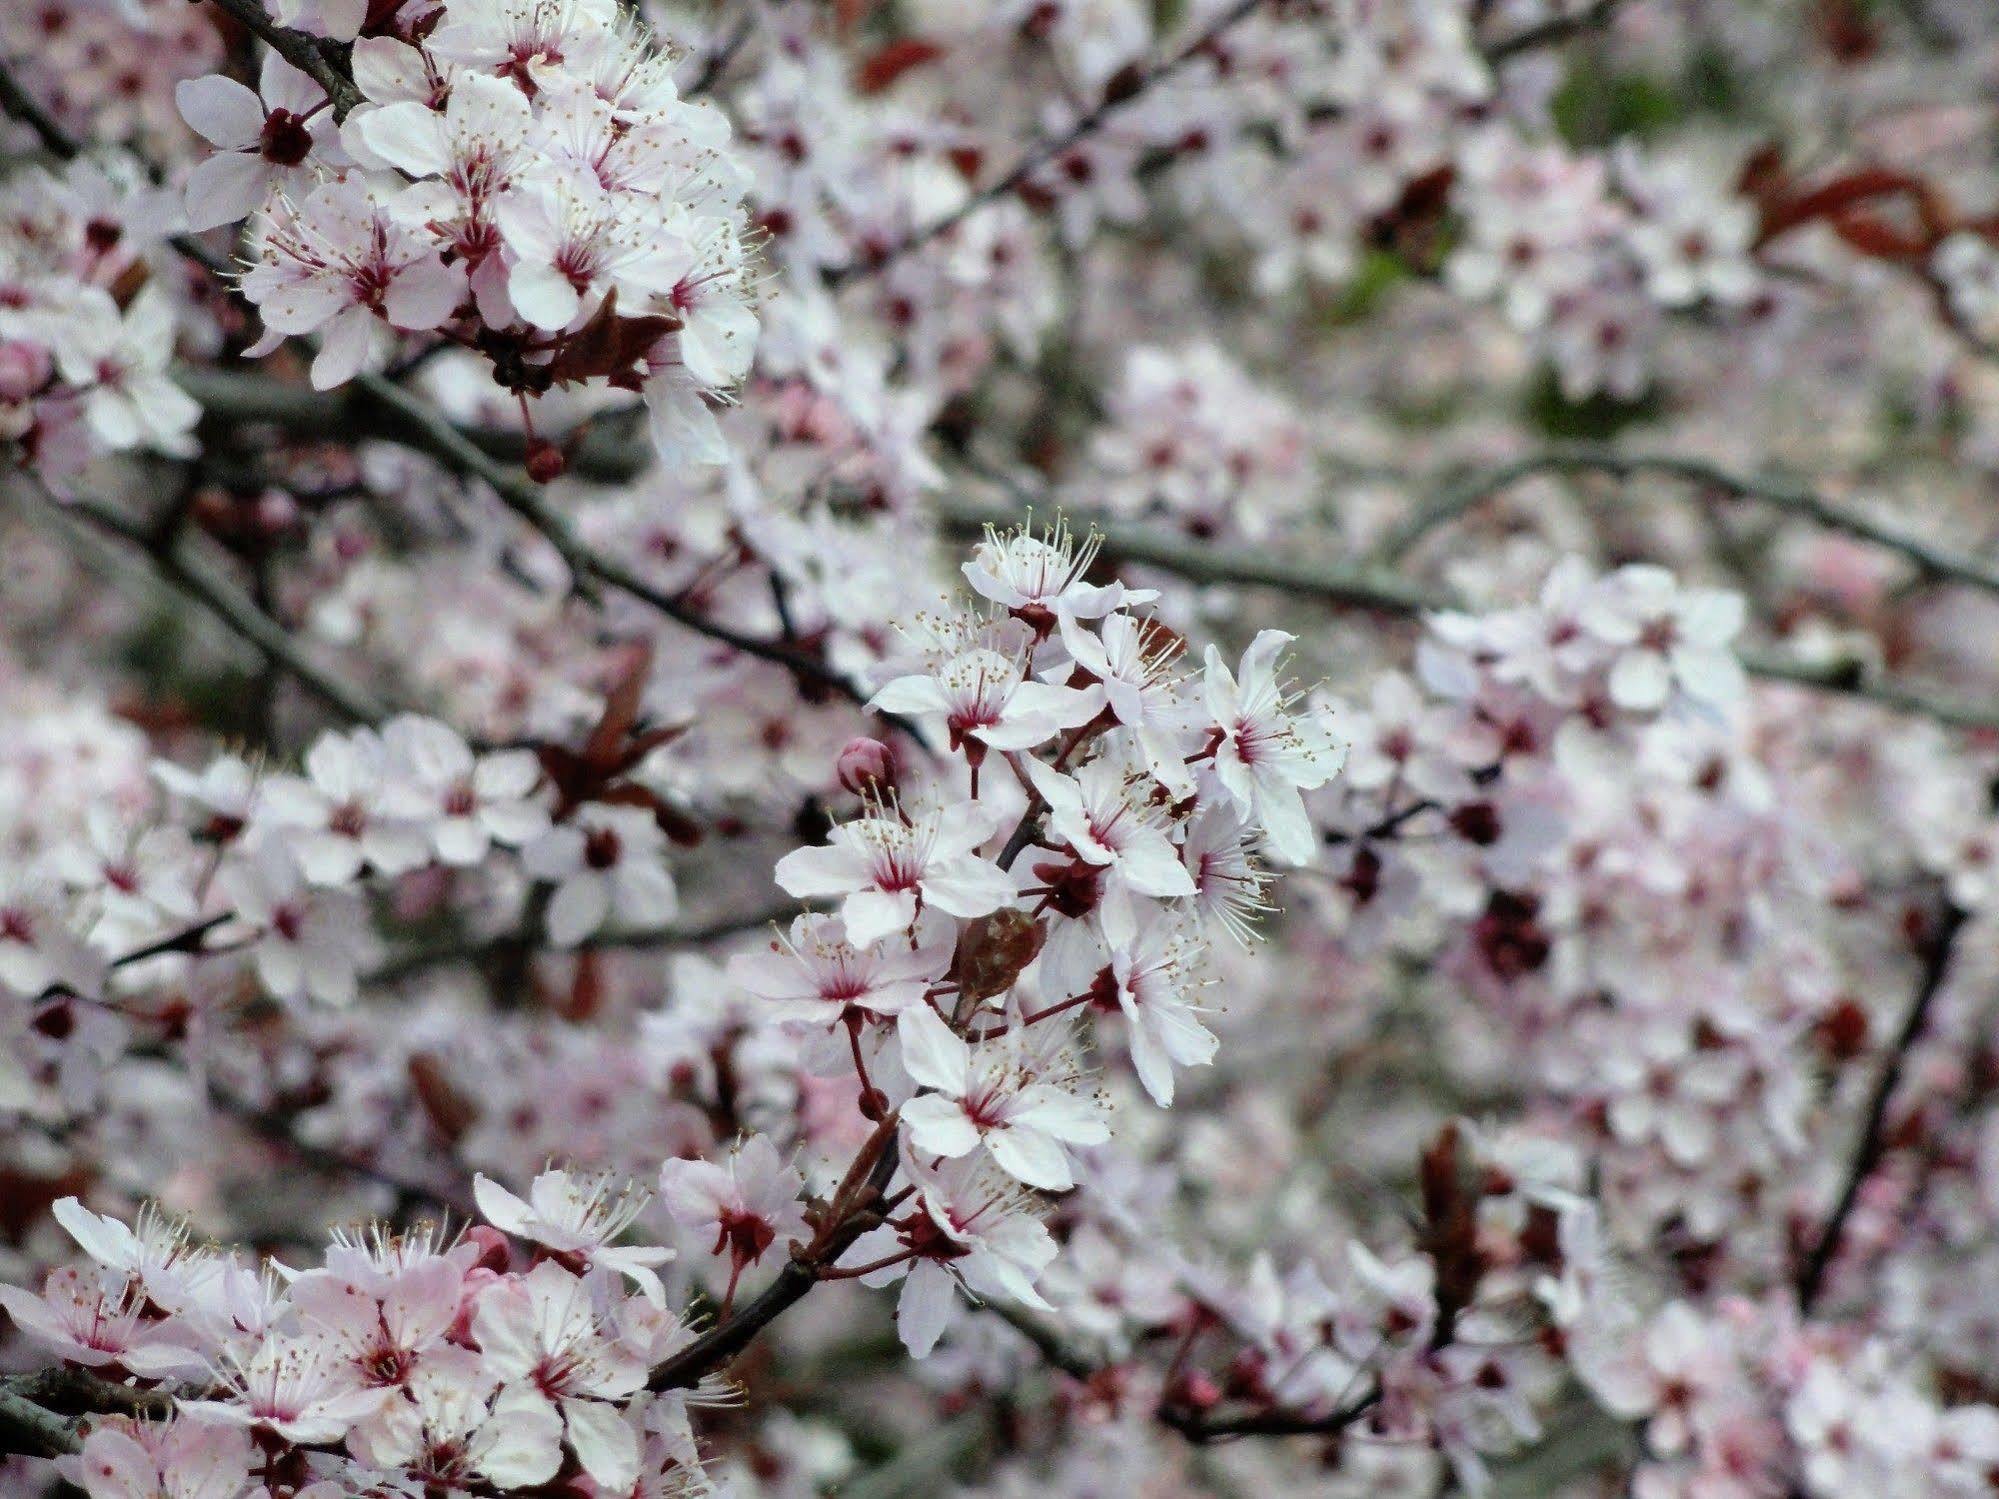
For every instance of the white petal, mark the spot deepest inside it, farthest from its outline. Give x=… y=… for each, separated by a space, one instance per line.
x=220 y=110
x=934 y=1055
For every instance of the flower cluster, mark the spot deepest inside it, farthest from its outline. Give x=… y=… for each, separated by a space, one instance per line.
x=524 y=180
x=1190 y=438
x=564 y=706
x=85 y=335
x=489 y=1359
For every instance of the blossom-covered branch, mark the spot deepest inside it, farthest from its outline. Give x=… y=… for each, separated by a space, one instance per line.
x=591 y=907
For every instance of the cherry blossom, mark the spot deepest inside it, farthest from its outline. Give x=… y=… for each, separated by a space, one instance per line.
x=1012 y=1096
x=1266 y=754
x=605 y=863
x=745 y=1208
x=972 y=1228
x=1273 y=714
x=336 y=263
x=891 y=865
x=577 y=1217
x=263 y=140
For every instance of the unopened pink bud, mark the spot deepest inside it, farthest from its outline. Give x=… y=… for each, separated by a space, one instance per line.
x=867 y=767
x=24 y=369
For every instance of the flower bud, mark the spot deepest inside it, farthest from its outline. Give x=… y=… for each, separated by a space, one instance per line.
x=545 y=462
x=867 y=767
x=24 y=370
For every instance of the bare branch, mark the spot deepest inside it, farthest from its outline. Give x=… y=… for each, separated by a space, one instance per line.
x=322 y=61
x=1868 y=1149
x=1549 y=33
x=849 y=1215
x=37 y=1410
x=1115 y=99
x=19 y=103
x=181 y=565
x=1787 y=495
x=1366 y=588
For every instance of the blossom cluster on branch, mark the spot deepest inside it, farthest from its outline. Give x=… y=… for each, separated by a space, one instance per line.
x=998 y=746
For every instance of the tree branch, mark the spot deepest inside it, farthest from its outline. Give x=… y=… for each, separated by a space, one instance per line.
x=1872 y=1143
x=422 y=960
x=410 y=421
x=322 y=61
x=1373 y=588
x=378 y=407
x=37 y=1410
x=1201 y=1428
x=1198 y=1427
x=1783 y=494
x=848 y=1216
x=1549 y=33
x=29 y=1430
x=1088 y=124
x=19 y=103
x=190 y=574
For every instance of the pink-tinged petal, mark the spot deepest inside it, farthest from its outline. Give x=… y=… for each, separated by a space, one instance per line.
x=347 y=342
x=105 y=1240
x=226 y=188
x=221 y=111
x=543 y=295
x=32 y=1315
x=962 y=827
x=924 y=1310
x=387 y=69
x=911 y=695
x=717 y=346
x=604 y=1443
x=498 y=1206
x=1289 y=830
x=1066 y=707
x=643 y=893
x=1031 y=1157
x=832 y=869
x=935 y=1056
x=295 y=306
x=967 y=887
x=872 y=915
x=522 y=1446
x=1064 y=1116
x=113 y=1466
x=286 y=87
x=580 y=905
x=1640 y=681
x=1154 y=1068
x=425 y=294
x=1150 y=866
x=938 y=1126
x=407 y=135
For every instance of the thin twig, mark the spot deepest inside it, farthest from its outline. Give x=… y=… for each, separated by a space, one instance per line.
x=416 y=424
x=320 y=60
x=719 y=58
x=30 y=1430
x=182 y=566
x=850 y=1215
x=1869 y=1148
x=1043 y=152
x=37 y=1410
x=18 y=102
x=1346 y=586
x=1552 y=31
x=1788 y=495
x=422 y=960
x=1203 y=1427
